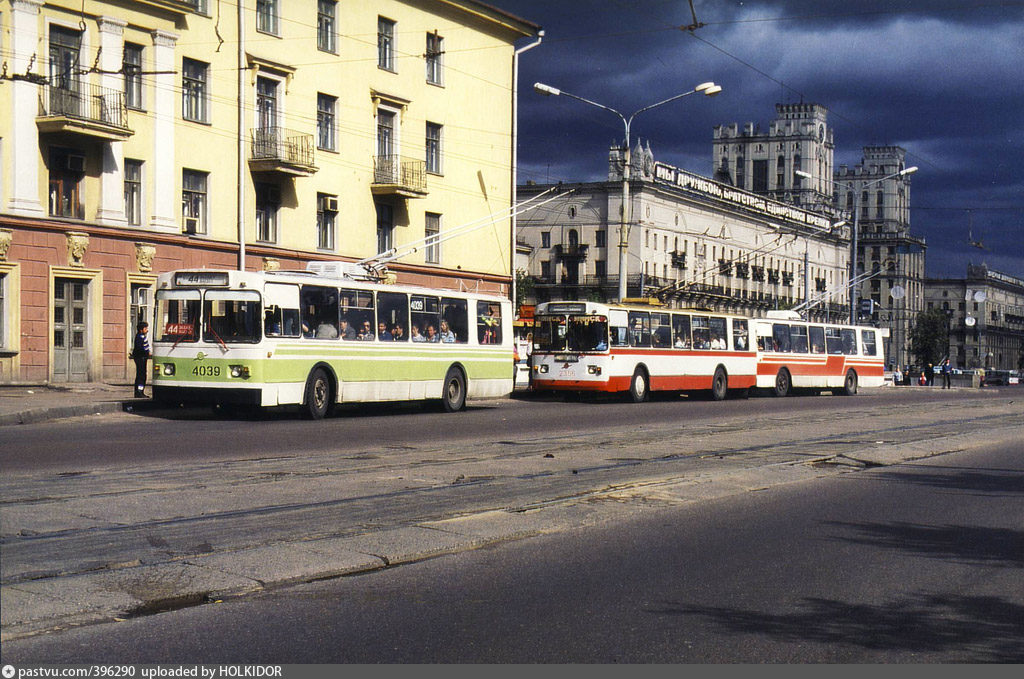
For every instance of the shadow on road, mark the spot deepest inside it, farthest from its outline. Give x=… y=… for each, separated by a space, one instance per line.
x=964 y=628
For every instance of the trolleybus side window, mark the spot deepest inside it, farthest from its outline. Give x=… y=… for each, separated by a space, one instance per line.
x=454 y=320
x=639 y=329
x=488 y=322
x=868 y=338
x=701 y=333
x=392 y=316
x=231 y=316
x=681 y=331
x=356 y=315
x=833 y=341
x=281 y=310
x=849 y=336
x=177 y=315
x=618 y=327
x=319 y=311
x=740 y=336
x=780 y=337
x=798 y=338
x=661 y=331
x=817 y=335
x=426 y=313
x=719 y=334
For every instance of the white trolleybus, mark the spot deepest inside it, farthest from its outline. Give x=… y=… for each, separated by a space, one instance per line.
x=592 y=347
x=317 y=338
x=794 y=354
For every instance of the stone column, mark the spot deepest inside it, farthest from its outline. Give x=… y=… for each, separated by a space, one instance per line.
x=164 y=183
x=24 y=159
x=111 y=207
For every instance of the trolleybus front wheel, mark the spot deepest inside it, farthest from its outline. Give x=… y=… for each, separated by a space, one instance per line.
x=783 y=383
x=720 y=385
x=849 y=384
x=318 y=395
x=639 y=389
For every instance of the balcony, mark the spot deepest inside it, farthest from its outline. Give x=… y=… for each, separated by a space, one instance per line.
x=72 y=107
x=570 y=251
x=281 y=151
x=678 y=260
x=398 y=176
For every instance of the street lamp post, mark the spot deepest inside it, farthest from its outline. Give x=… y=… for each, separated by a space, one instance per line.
x=856 y=224
x=709 y=89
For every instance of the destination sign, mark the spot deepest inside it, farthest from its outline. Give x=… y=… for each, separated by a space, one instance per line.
x=200 y=278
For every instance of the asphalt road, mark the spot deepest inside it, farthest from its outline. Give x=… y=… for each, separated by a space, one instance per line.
x=196 y=435
x=920 y=562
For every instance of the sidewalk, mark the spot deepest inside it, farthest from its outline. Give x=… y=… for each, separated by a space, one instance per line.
x=28 y=404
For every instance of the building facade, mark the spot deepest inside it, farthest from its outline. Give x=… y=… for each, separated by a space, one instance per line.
x=692 y=242
x=140 y=137
x=986 y=318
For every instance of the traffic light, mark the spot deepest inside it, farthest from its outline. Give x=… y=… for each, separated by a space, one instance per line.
x=867 y=307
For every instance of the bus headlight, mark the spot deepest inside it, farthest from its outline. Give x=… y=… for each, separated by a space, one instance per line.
x=241 y=371
x=543 y=369
x=164 y=368
x=594 y=369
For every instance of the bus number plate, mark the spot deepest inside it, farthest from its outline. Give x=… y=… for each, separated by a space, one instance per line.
x=206 y=370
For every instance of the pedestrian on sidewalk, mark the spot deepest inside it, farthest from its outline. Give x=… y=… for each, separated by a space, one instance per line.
x=947 y=370
x=140 y=354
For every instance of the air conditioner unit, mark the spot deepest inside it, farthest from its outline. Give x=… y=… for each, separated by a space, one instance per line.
x=191 y=225
x=76 y=163
x=330 y=204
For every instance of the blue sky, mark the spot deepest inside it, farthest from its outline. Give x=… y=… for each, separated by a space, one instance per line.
x=943 y=79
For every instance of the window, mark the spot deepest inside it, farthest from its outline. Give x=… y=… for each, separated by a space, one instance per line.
x=193 y=201
x=177 y=316
x=432 y=231
x=392 y=316
x=454 y=320
x=817 y=335
x=268 y=202
x=385 y=44
x=325 y=117
x=719 y=336
x=545 y=239
x=880 y=205
x=266 y=16
x=66 y=171
x=433 y=148
x=488 y=325
x=326 y=18
x=740 y=335
x=780 y=337
x=357 y=315
x=868 y=339
x=133 y=191
x=426 y=318
x=266 y=104
x=231 y=316
x=545 y=269
x=601 y=238
x=194 y=92
x=833 y=341
x=385 y=227
x=849 y=341
x=386 y=138
x=434 y=55
x=600 y=268
x=326 y=218
x=318 y=306
x=131 y=67
x=798 y=338
x=661 y=331
x=639 y=329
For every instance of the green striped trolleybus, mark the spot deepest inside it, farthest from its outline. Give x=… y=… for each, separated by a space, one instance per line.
x=320 y=337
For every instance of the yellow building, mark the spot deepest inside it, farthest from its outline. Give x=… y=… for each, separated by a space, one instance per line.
x=142 y=136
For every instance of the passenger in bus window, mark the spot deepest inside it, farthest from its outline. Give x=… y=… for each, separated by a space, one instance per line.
x=272 y=322
x=397 y=333
x=817 y=335
x=366 y=332
x=326 y=331
x=416 y=335
x=446 y=333
x=347 y=331
x=432 y=334
x=382 y=332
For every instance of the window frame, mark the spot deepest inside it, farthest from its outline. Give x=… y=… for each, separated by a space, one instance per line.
x=199 y=199
x=134 y=94
x=326 y=26
x=268 y=17
x=434 y=58
x=326 y=122
x=267 y=205
x=431 y=250
x=386 y=44
x=195 y=94
x=433 y=148
x=326 y=223
x=133 y=206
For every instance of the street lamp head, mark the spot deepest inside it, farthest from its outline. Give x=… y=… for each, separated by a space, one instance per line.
x=546 y=90
x=909 y=170
x=840 y=223
x=709 y=88
x=801 y=173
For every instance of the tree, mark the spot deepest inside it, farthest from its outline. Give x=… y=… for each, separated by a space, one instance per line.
x=929 y=338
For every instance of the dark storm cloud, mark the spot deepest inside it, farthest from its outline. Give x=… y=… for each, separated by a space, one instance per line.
x=938 y=77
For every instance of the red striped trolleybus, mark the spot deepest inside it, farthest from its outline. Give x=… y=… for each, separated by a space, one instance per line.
x=794 y=354
x=593 y=347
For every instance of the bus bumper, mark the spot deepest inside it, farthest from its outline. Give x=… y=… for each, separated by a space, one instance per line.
x=169 y=395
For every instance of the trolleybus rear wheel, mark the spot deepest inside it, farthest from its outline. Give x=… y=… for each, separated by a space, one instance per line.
x=720 y=385
x=783 y=383
x=639 y=389
x=318 y=395
x=453 y=394
x=850 y=383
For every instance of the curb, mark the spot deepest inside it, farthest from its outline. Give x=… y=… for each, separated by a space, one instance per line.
x=49 y=413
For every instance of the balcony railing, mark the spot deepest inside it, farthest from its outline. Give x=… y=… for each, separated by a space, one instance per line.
x=399 y=176
x=571 y=251
x=70 y=106
x=275 y=149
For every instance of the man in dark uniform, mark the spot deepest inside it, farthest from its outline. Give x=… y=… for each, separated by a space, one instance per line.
x=140 y=354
